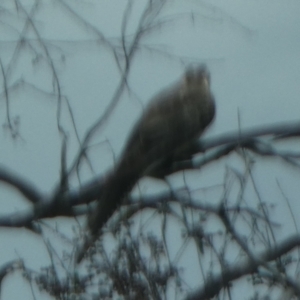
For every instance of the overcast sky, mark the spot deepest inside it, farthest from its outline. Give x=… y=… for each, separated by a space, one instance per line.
x=252 y=49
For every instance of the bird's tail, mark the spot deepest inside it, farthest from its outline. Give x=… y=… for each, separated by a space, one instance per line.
x=117 y=187
x=118 y=184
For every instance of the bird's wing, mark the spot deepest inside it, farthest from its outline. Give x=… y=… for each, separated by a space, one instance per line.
x=172 y=118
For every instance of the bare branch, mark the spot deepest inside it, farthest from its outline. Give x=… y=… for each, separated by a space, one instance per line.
x=25 y=188
x=215 y=284
x=8 y=268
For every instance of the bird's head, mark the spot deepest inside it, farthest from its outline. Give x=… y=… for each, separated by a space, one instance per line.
x=198 y=76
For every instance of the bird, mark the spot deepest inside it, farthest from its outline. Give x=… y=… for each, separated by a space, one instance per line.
x=174 y=118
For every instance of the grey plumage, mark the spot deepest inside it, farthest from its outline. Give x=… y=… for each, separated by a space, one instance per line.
x=174 y=118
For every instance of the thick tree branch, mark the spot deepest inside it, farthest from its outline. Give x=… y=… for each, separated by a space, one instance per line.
x=226 y=143
x=277 y=131
x=24 y=187
x=62 y=203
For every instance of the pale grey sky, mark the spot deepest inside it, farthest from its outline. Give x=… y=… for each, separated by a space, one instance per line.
x=251 y=47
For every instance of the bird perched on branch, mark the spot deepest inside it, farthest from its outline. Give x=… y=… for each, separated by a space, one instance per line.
x=172 y=120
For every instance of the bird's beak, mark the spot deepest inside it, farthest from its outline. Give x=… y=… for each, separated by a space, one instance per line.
x=206 y=81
